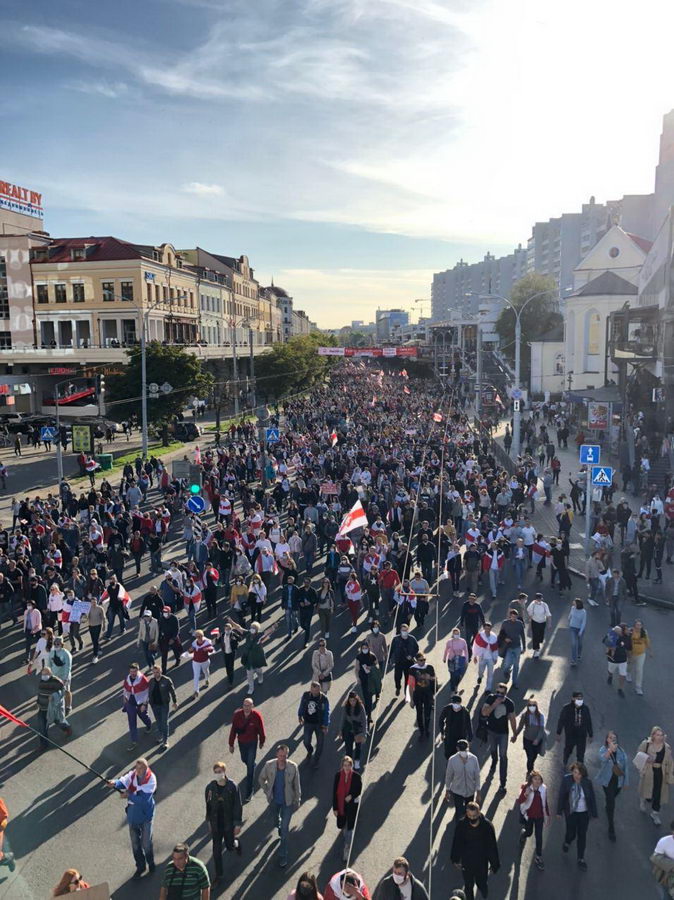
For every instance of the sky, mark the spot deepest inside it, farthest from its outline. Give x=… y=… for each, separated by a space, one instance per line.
x=350 y=148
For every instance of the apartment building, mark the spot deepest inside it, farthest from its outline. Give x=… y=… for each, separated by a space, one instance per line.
x=457 y=291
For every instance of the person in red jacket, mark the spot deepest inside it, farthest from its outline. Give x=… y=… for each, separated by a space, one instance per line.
x=388 y=583
x=346 y=885
x=248 y=726
x=534 y=812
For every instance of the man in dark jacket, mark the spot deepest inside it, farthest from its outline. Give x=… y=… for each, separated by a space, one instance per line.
x=313 y=714
x=576 y=723
x=474 y=850
x=472 y=619
x=115 y=607
x=161 y=695
x=168 y=637
x=224 y=815
x=400 y=883
x=290 y=602
x=455 y=725
x=426 y=553
x=404 y=648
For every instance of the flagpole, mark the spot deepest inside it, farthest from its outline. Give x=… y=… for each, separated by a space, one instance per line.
x=59 y=747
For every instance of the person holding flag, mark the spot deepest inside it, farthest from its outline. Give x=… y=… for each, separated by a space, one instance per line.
x=136 y=692
x=138 y=788
x=118 y=600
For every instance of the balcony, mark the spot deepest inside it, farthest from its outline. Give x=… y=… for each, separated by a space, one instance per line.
x=94 y=354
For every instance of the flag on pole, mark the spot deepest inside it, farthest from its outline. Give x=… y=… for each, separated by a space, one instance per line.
x=355 y=518
x=374 y=400
x=437 y=417
x=333 y=438
x=406 y=390
x=5 y=713
x=404 y=373
x=124 y=595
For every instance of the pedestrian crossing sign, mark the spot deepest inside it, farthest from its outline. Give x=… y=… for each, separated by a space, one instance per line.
x=602 y=475
x=273 y=435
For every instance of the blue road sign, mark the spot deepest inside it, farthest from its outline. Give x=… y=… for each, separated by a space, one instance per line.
x=196 y=504
x=273 y=435
x=47 y=433
x=602 y=475
x=590 y=454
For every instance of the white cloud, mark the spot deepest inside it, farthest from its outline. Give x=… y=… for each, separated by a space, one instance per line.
x=202 y=190
x=109 y=89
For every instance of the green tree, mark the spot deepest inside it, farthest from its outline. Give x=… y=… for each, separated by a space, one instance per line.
x=293 y=366
x=540 y=295
x=181 y=369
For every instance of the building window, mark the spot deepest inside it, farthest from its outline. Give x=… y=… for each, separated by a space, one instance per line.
x=5 y=340
x=78 y=293
x=42 y=293
x=60 y=293
x=126 y=290
x=108 y=290
x=4 y=293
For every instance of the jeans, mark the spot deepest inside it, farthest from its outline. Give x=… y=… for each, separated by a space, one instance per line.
x=149 y=655
x=576 y=826
x=133 y=712
x=486 y=662
x=498 y=747
x=616 y=614
x=351 y=746
x=519 y=568
x=423 y=701
x=112 y=615
x=511 y=660
x=531 y=825
x=460 y=804
x=493 y=580
x=532 y=750
x=192 y=616
x=594 y=586
x=141 y=844
x=309 y=730
x=575 y=738
x=282 y=816
x=473 y=877
x=161 y=713
x=95 y=635
x=225 y=837
x=576 y=644
x=248 y=752
x=611 y=791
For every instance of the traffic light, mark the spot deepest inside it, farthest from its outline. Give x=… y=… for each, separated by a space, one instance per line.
x=101 y=384
x=195 y=488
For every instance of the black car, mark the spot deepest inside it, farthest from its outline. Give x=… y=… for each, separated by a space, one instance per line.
x=186 y=431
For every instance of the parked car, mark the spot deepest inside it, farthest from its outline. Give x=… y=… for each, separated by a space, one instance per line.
x=186 y=431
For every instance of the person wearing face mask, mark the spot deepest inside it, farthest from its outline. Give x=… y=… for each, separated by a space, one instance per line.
x=534 y=812
x=613 y=776
x=369 y=676
x=313 y=714
x=456 y=657
x=404 y=648
x=577 y=803
x=200 y=651
x=576 y=723
x=229 y=641
x=454 y=725
x=49 y=686
x=462 y=778
x=499 y=712
x=135 y=692
x=346 y=885
x=307 y=888
x=539 y=617
x=346 y=789
x=378 y=645
x=485 y=653
x=474 y=850
x=400 y=883
x=532 y=723
x=252 y=653
x=161 y=694
x=422 y=693
x=169 y=637
x=248 y=727
x=224 y=815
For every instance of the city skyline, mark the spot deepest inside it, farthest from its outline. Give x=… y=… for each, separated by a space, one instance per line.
x=350 y=149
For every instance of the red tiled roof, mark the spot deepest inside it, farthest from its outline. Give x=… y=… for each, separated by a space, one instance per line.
x=640 y=242
x=104 y=248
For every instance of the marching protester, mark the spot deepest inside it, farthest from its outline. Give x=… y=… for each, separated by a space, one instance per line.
x=613 y=776
x=280 y=781
x=462 y=778
x=577 y=803
x=138 y=788
x=224 y=815
x=346 y=790
x=248 y=727
x=474 y=850
x=534 y=812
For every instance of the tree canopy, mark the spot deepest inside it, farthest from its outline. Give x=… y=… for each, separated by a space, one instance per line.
x=539 y=316
x=181 y=369
x=294 y=365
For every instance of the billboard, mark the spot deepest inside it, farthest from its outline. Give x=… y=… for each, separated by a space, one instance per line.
x=20 y=200
x=368 y=352
x=597 y=415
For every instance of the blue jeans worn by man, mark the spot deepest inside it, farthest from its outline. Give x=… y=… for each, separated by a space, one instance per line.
x=141 y=844
x=292 y=623
x=149 y=654
x=112 y=615
x=282 y=817
x=498 y=747
x=133 y=713
x=576 y=645
x=309 y=730
x=519 y=568
x=161 y=712
x=511 y=660
x=248 y=751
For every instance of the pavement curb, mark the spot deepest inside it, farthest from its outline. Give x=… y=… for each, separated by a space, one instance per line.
x=653 y=601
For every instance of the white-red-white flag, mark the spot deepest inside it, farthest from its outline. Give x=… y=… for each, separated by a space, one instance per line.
x=404 y=373
x=437 y=417
x=355 y=518
x=333 y=438
x=406 y=390
x=124 y=595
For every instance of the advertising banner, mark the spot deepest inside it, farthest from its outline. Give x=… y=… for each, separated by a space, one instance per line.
x=597 y=415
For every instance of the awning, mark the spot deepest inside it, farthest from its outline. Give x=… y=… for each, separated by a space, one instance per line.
x=607 y=394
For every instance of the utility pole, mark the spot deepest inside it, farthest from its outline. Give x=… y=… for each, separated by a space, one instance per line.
x=516 y=413
x=235 y=369
x=143 y=381
x=252 y=366
x=478 y=386
x=588 y=508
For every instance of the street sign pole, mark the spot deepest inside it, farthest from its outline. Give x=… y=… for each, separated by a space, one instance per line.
x=588 y=509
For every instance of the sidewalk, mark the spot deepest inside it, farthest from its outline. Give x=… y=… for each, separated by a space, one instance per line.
x=544 y=519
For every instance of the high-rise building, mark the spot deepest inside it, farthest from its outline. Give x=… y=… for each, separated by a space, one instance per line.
x=388 y=321
x=456 y=292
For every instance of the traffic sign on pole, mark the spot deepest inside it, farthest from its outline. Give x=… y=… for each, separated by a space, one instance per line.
x=166 y=387
x=516 y=405
x=516 y=394
x=590 y=454
x=602 y=475
x=47 y=433
x=196 y=504
x=272 y=435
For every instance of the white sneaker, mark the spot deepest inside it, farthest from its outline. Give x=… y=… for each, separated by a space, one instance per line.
x=95 y=659
x=260 y=679
x=642 y=805
x=356 y=765
x=656 y=818
x=354 y=630
x=639 y=692
x=327 y=634
x=629 y=679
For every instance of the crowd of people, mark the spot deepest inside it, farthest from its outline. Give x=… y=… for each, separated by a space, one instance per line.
x=384 y=507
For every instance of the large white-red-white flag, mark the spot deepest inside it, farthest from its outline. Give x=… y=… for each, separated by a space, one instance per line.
x=124 y=595
x=333 y=438
x=437 y=417
x=406 y=390
x=355 y=518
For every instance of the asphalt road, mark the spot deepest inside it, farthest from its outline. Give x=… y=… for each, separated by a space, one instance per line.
x=62 y=815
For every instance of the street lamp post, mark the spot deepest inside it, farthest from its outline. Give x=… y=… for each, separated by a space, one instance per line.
x=262 y=414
